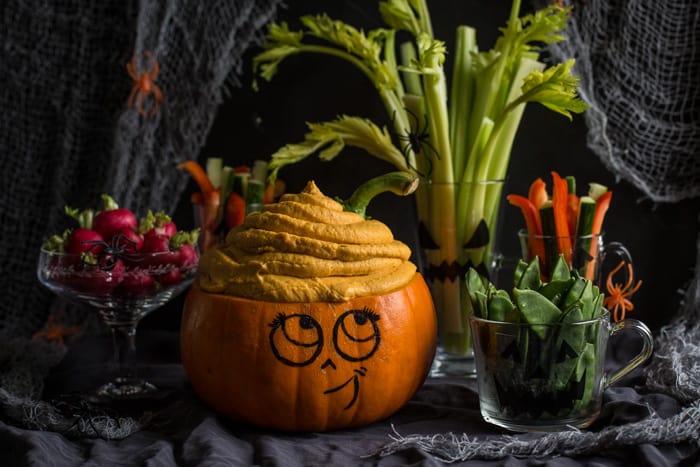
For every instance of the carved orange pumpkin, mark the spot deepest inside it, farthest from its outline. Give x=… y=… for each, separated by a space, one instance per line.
x=309 y=366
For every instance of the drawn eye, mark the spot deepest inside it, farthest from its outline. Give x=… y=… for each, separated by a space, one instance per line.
x=356 y=334
x=296 y=340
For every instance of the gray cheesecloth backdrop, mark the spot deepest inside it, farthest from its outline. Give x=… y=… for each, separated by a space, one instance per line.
x=67 y=133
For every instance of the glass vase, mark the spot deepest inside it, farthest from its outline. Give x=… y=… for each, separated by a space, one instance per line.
x=457 y=230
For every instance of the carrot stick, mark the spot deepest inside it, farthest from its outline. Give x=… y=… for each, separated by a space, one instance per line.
x=269 y=193
x=534 y=229
x=199 y=175
x=601 y=207
x=560 y=194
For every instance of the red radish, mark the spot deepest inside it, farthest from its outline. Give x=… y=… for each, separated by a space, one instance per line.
x=168 y=229
x=82 y=240
x=187 y=256
x=136 y=283
x=155 y=244
x=157 y=224
x=112 y=219
x=129 y=239
x=92 y=279
x=170 y=277
x=157 y=254
x=184 y=244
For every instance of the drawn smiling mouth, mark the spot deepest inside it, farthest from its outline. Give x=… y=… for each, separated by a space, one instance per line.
x=355 y=380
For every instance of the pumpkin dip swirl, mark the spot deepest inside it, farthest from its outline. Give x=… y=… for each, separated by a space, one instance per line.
x=305 y=248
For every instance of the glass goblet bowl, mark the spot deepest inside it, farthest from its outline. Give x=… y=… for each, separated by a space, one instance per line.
x=123 y=288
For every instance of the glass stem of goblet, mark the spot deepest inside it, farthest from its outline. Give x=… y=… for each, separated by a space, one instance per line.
x=124 y=338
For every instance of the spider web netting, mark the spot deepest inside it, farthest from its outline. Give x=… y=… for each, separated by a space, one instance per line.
x=639 y=63
x=68 y=133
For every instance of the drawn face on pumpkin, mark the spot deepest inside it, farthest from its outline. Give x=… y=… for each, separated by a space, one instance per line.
x=298 y=340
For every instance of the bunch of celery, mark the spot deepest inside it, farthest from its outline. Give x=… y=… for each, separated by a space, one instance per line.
x=464 y=138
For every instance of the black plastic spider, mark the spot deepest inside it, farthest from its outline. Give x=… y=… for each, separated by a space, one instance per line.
x=108 y=255
x=418 y=141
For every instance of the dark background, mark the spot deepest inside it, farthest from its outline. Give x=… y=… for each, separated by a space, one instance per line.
x=662 y=238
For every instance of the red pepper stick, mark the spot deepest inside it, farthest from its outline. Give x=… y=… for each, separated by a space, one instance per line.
x=560 y=194
x=538 y=193
x=534 y=229
x=235 y=210
x=538 y=196
x=572 y=203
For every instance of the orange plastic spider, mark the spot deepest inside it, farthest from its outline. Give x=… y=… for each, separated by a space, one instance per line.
x=55 y=331
x=144 y=86
x=618 y=300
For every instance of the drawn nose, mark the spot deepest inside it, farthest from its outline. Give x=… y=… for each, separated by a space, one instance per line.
x=327 y=363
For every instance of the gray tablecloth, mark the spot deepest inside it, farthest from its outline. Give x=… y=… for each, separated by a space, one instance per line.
x=180 y=430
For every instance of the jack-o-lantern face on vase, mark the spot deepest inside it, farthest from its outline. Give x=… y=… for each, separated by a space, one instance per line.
x=309 y=366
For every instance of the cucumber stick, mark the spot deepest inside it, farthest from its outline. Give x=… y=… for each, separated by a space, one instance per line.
x=254 y=195
x=551 y=248
x=240 y=183
x=596 y=189
x=584 y=227
x=214 y=169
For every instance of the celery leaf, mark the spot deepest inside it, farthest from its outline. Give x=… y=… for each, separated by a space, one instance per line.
x=330 y=138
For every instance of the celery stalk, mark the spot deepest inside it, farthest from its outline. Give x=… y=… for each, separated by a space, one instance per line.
x=492 y=85
x=442 y=219
x=498 y=167
x=424 y=16
x=462 y=95
x=468 y=212
x=412 y=82
x=415 y=106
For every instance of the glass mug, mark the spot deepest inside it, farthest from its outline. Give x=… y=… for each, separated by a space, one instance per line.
x=587 y=253
x=547 y=377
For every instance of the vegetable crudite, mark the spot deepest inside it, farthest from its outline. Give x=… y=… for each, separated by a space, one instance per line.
x=227 y=194
x=542 y=347
x=441 y=132
x=564 y=223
